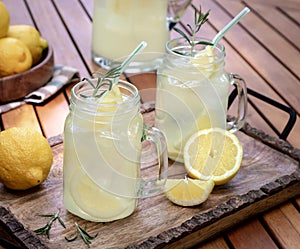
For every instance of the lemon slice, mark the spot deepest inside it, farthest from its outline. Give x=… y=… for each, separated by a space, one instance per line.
x=188 y=192
x=214 y=154
x=108 y=101
x=113 y=96
x=96 y=202
x=204 y=61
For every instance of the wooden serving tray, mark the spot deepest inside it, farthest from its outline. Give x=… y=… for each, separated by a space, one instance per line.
x=270 y=174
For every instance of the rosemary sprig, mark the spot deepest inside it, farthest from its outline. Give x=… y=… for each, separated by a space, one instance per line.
x=113 y=75
x=199 y=19
x=45 y=230
x=86 y=237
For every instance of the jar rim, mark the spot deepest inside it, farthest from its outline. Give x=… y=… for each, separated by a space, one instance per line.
x=89 y=104
x=173 y=44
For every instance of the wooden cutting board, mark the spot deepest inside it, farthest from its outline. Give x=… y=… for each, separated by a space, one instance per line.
x=270 y=174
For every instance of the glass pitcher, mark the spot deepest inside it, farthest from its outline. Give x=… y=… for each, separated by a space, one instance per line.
x=102 y=150
x=120 y=25
x=192 y=93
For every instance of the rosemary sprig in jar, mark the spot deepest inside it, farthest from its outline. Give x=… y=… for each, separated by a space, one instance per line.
x=199 y=19
x=113 y=75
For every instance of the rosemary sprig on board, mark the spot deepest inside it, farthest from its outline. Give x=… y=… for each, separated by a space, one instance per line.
x=45 y=230
x=86 y=237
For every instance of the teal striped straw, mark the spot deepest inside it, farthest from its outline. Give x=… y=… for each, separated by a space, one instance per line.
x=235 y=20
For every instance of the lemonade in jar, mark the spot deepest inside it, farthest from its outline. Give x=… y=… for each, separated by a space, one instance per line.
x=192 y=93
x=102 y=150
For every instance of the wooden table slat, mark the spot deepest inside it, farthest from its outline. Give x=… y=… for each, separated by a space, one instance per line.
x=251 y=235
x=65 y=53
x=258 y=57
x=284 y=223
x=273 y=42
x=23 y=116
x=279 y=22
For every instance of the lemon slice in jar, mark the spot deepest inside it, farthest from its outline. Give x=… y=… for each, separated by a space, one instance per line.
x=204 y=61
x=96 y=202
x=108 y=101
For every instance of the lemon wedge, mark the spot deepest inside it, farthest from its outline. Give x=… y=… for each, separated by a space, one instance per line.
x=214 y=154
x=188 y=192
x=108 y=102
x=113 y=96
x=204 y=61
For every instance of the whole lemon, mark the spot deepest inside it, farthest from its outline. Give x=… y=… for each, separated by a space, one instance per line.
x=31 y=37
x=26 y=158
x=15 y=56
x=4 y=20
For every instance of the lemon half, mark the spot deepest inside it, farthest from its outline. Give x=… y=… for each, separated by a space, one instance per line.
x=214 y=154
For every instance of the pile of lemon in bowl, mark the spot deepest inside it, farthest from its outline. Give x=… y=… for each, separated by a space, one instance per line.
x=21 y=46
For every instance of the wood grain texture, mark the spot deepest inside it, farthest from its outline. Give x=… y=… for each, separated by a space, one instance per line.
x=278 y=3
x=242 y=237
x=269 y=175
x=284 y=223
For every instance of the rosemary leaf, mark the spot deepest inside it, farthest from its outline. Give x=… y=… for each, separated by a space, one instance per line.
x=86 y=237
x=74 y=237
x=199 y=19
x=183 y=34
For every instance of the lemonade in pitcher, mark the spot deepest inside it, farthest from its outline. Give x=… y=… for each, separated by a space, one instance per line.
x=120 y=25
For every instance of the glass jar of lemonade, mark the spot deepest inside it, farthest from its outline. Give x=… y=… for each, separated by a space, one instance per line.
x=120 y=25
x=192 y=93
x=102 y=150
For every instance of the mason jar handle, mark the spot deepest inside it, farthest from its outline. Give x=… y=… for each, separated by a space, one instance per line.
x=148 y=188
x=241 y=87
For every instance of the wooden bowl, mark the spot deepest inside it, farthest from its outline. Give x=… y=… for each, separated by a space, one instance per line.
x=17 y=86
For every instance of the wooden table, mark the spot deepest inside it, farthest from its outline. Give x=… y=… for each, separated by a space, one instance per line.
x=263 y=48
